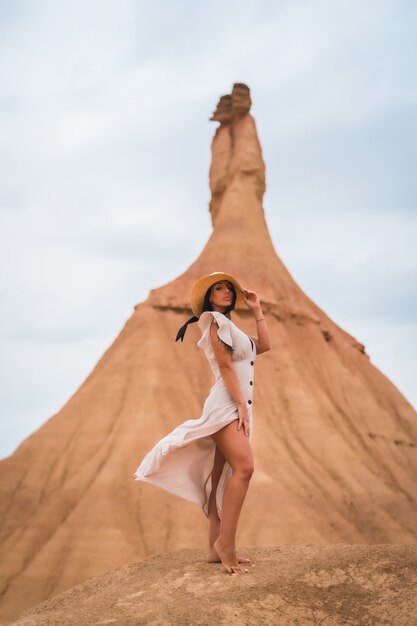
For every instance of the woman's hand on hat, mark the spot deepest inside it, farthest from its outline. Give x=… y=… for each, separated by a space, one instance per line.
x=251 y=298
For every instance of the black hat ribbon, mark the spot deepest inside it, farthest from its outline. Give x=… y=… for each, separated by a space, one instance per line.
x=181 y=332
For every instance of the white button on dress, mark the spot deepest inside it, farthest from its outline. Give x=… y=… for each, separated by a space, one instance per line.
x=182 y=461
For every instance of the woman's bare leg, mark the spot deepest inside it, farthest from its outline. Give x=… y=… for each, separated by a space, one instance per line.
x=213 y=515
x=235 y=448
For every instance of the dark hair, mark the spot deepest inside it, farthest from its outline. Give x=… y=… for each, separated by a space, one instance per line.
x=207 y=306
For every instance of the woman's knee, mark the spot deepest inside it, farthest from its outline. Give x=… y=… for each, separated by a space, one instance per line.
x=245 y=469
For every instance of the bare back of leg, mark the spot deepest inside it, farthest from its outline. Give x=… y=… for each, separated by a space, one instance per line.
x=213 y=515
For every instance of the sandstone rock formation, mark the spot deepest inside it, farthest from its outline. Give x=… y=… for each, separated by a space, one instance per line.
x=309 y=585
x=335 y=443
x=224 y=110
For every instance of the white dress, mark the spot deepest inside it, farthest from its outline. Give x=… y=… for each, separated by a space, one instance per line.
x=182 y=461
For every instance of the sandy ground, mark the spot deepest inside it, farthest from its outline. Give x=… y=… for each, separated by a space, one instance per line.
x=294 y=584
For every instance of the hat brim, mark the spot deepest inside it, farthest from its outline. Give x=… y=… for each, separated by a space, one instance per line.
x=200 y=287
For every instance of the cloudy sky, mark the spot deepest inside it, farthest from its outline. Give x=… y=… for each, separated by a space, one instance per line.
x=104 y=157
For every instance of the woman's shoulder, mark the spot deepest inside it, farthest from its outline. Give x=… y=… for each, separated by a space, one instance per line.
x=224 y=330
x=207 y=316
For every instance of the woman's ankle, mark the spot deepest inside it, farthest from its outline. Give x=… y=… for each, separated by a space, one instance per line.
x=230 y=544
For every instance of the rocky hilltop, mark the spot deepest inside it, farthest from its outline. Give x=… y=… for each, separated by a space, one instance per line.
x=309 y=585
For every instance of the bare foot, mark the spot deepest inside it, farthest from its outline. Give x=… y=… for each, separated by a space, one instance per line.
x=213 y=557
x=228 y=558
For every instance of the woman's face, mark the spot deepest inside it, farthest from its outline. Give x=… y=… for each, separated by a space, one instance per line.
x=221 y=294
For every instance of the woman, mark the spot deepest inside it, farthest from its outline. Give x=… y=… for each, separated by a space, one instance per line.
x=209 y=460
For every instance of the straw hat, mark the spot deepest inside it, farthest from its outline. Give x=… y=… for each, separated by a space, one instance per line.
x=198 y=292
x=200 y=287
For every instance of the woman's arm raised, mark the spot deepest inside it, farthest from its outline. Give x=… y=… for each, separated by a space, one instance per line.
x=263 y=340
